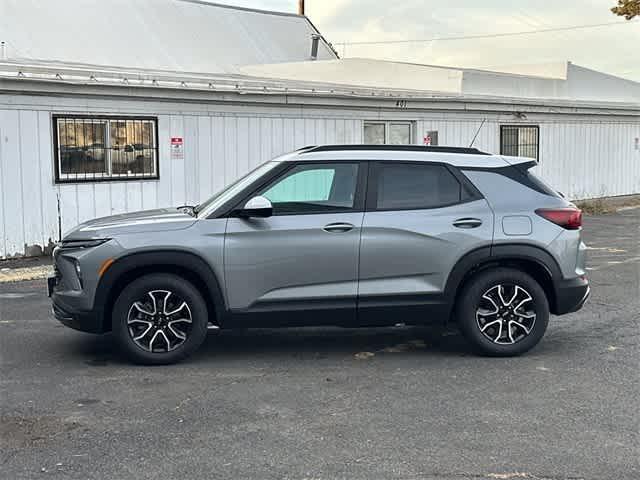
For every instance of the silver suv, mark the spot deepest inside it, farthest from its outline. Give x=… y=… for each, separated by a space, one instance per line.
x=348 y=235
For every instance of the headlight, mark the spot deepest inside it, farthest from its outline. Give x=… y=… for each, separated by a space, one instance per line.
x=94 y=242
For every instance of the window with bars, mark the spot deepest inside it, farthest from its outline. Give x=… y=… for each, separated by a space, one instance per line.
x=95 y=148
x=392 y=133
x=520 y=141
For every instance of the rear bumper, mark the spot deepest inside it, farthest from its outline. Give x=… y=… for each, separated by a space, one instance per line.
x=571 y=295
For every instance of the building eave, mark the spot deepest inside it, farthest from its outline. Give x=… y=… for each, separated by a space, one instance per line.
x=91 y=80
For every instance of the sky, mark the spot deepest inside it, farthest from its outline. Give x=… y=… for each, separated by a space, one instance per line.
x=611 y=49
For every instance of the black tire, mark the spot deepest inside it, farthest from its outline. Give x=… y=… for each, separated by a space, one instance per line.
x=183 y=292
x=471 y=299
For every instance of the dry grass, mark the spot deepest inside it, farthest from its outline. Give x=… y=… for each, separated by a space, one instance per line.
x=600 y=206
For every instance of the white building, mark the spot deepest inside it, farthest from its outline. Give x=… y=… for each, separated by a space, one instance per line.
x=165 y=105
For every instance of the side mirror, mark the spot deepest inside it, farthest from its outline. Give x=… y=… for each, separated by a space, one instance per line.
x=257 y=207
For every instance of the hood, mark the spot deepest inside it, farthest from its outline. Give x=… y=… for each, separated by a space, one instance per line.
x=162 y=219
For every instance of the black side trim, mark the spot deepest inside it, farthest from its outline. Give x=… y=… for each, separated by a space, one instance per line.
x=550 y=273
x=410 y=309
x=112 y=281
x=528 y=252
x=336 y=312
x=469 y=262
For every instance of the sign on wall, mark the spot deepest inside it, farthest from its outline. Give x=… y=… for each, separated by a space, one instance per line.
x=177 y=148
x=430 y=138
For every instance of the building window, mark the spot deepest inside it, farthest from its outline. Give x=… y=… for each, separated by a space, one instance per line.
x=391 y=133
x=95 y=148
x=520 y=141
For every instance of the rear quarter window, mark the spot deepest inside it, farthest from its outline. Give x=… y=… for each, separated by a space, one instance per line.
x=538 y=184
x=522 y=175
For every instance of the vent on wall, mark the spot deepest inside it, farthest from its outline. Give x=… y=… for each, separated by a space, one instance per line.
x=315 y=41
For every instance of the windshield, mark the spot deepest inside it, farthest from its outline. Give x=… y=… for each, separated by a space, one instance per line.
x=229 y=191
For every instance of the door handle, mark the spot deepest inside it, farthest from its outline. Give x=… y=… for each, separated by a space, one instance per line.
x=337 y=227
x=467 y=223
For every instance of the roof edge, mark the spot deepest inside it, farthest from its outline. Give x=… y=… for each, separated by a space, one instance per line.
x=245 y=9
x=29 y=75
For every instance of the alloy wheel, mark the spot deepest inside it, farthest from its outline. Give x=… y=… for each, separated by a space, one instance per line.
x=506 y=314
x=160 y=321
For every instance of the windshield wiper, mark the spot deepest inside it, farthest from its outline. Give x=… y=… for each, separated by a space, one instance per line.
x=189 y=209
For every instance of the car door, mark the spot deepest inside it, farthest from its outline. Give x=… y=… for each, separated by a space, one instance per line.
x=302 y=261
x=421 y=218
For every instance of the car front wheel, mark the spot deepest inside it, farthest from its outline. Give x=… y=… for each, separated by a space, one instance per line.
x=503 y=312
x=159 y=319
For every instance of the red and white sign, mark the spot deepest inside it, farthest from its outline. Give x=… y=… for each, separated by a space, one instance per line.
x=427 y=140
x=177 y=148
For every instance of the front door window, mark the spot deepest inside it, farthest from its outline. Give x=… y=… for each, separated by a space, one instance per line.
x=314 y=188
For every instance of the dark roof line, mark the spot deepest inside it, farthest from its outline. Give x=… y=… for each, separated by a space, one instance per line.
x=245 y=9
x=392 y=148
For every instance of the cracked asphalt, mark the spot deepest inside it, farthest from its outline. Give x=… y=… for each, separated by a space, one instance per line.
x=409 y=403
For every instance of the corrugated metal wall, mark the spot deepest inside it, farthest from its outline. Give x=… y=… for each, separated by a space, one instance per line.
x=581 y=157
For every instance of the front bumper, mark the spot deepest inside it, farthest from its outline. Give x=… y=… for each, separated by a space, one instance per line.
x=571 y=295
x=67 y=312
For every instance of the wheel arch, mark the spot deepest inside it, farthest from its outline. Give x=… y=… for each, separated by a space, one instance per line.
x=527 y=258
x=187 y=265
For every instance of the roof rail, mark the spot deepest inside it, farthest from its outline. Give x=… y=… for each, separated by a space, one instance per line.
x=403 y=148
x=308 y=147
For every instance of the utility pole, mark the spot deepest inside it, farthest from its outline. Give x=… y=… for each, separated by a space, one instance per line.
x=300 y=7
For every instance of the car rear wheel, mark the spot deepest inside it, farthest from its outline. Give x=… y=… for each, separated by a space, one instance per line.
x=503 y=312
x=159 y=319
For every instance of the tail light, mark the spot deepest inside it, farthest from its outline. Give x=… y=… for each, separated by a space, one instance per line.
x=569 y=217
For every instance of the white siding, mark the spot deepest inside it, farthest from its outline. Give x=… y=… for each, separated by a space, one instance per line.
x=583 y=157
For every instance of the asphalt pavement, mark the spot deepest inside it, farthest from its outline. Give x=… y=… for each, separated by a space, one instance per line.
x=410 y=403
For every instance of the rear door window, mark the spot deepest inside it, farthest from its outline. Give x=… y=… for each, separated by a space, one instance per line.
x=413 y=186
